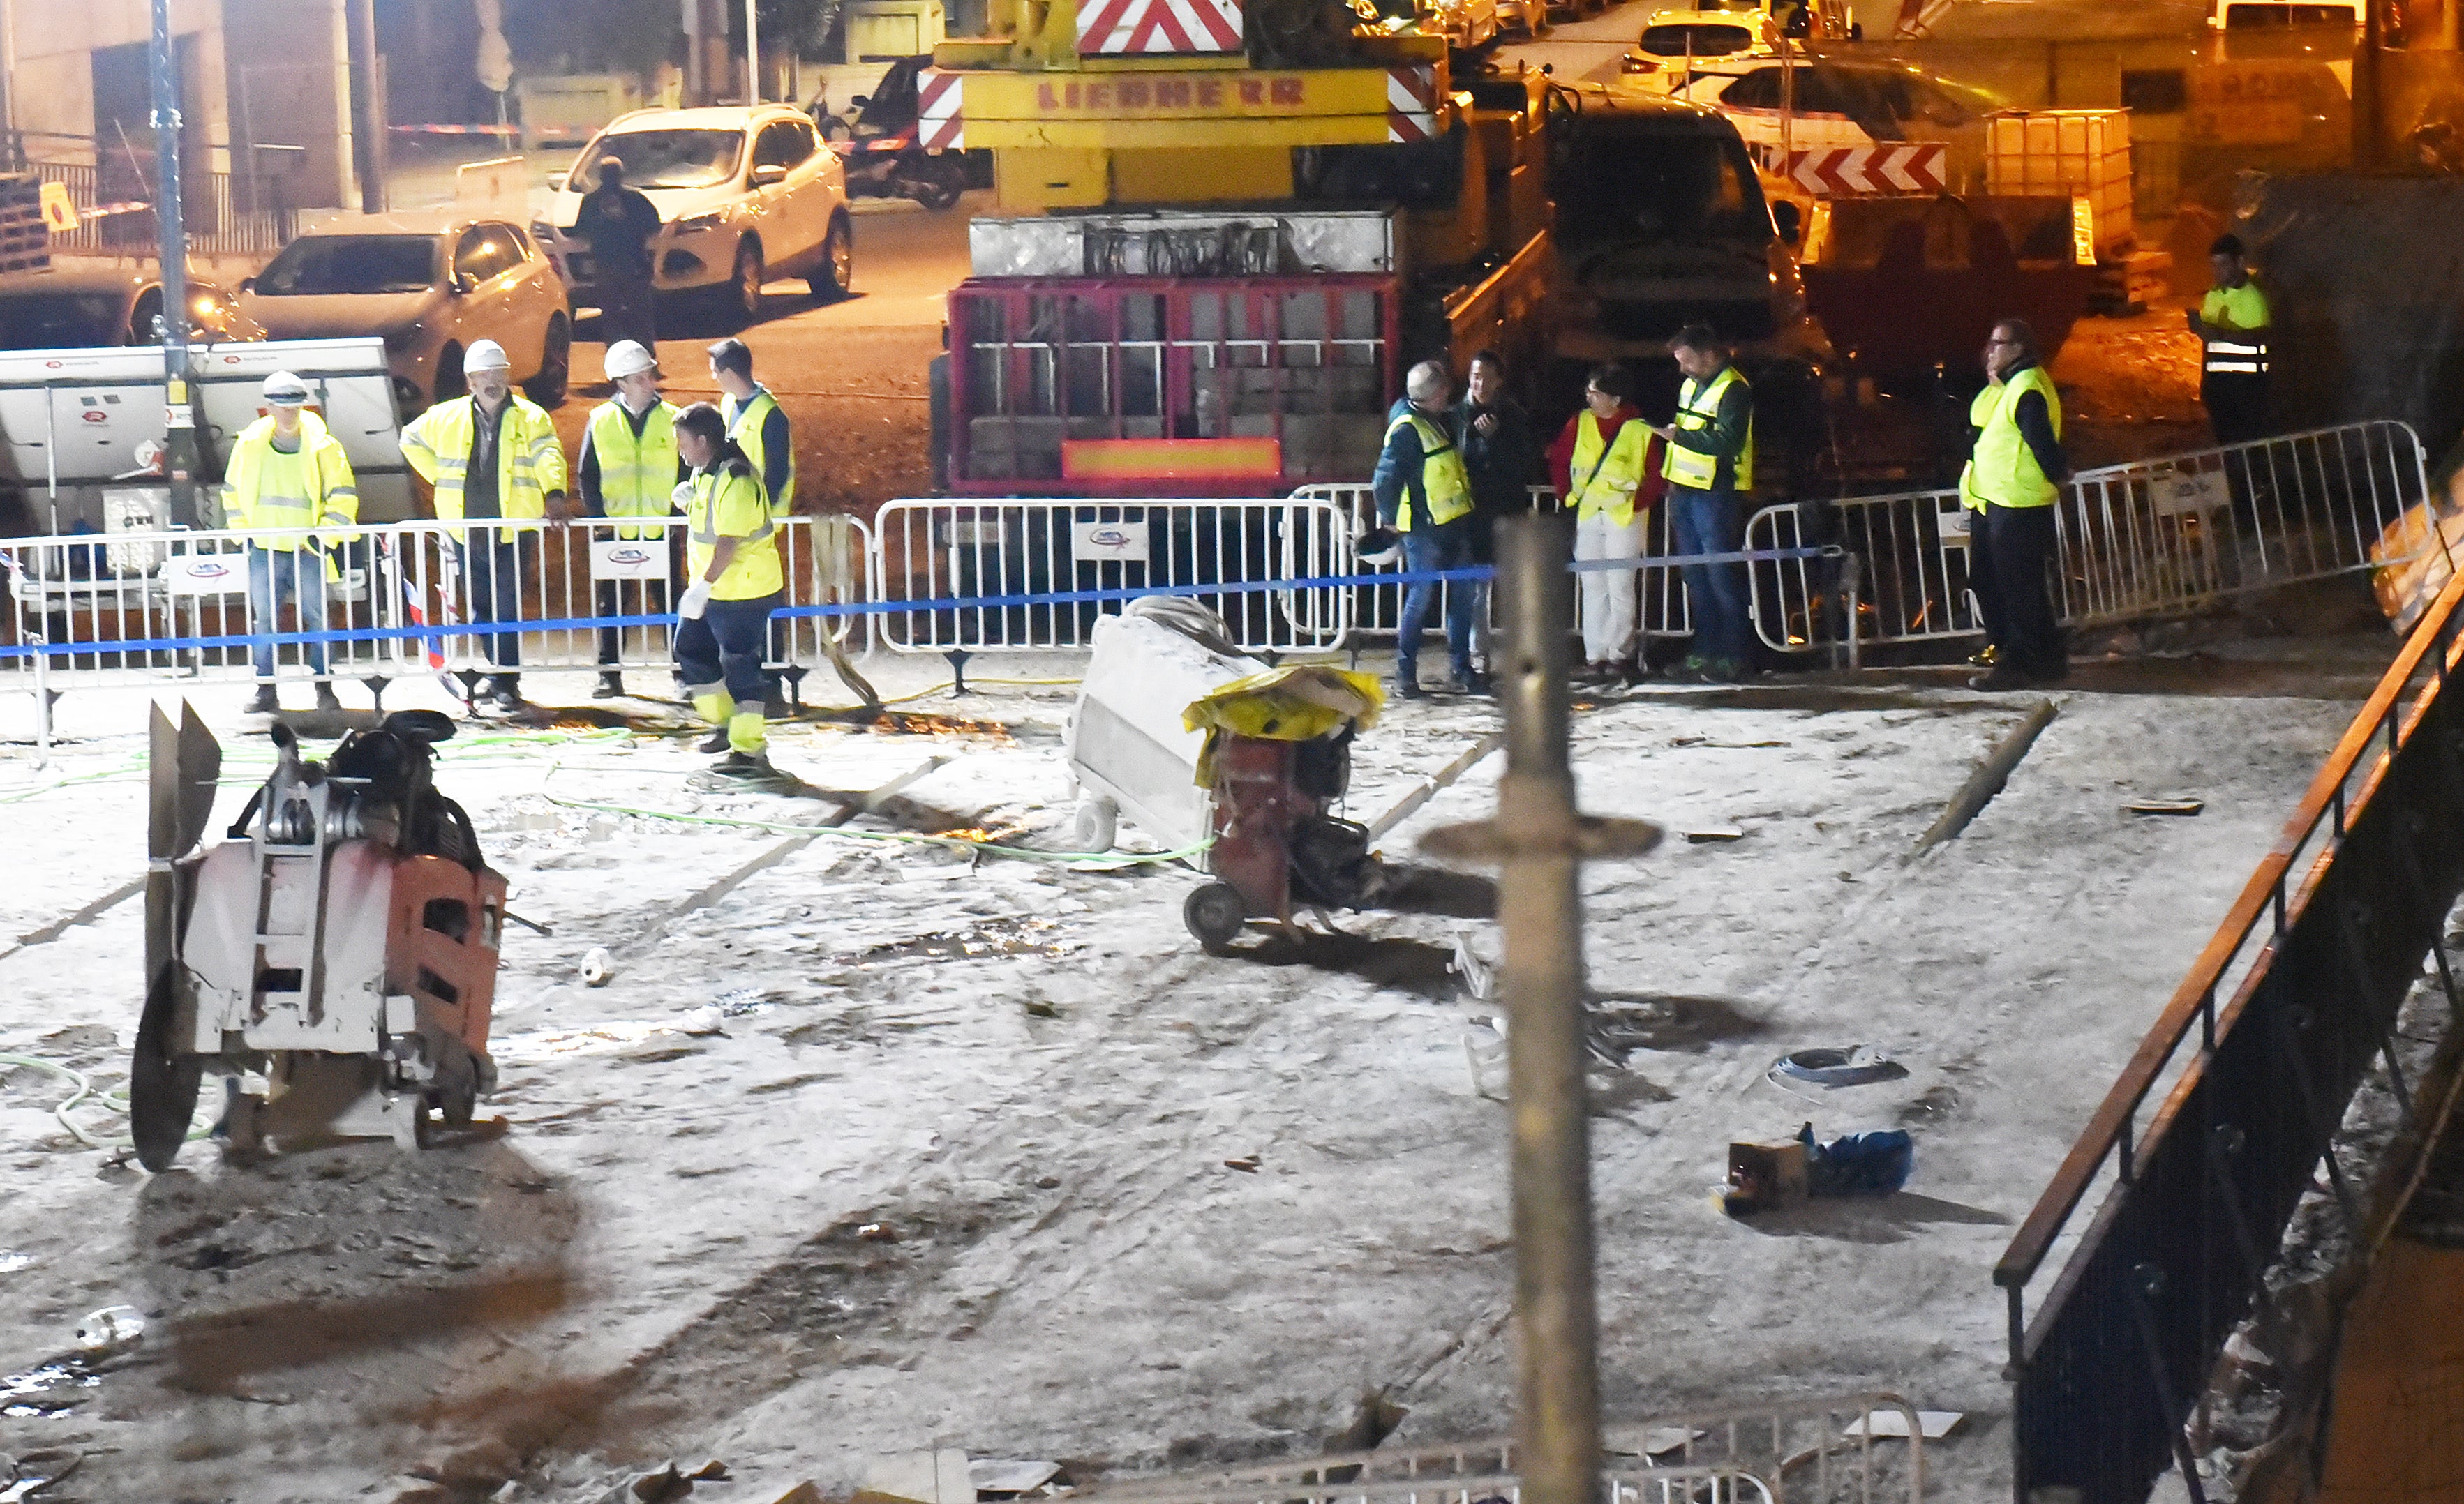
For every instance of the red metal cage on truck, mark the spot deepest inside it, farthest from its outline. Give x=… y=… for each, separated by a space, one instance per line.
x=1159 y=386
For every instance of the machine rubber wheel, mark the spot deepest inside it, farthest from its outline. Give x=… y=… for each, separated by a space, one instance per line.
x=161 y=1085
x=1097 y=824
x=939 y=181
x=458 y=1101
x=744 y=287
x=1214 y=914
x=835 y=276
x=555 y=365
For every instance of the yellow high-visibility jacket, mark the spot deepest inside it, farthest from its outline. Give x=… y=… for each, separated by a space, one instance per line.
x=530 y=463
x=312 y=487
x=745 y=421
x=726 y=503
x=637 y=474
x=1607 y=482
x=2004 y=470
x=1698 y=406
x=1444 y=481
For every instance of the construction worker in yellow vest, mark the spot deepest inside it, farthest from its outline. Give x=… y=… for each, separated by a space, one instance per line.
x=2013 y=477
x=287 y=471
x=732 y=583
x=1710 y=462
x=2232 y=322
x=1424 y=492
x=628 y=468
x=1605 y=464
x=758 y=428
x=491 y=455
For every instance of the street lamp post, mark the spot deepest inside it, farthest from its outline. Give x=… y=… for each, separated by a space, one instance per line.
x=180 y=436
x=752 y=53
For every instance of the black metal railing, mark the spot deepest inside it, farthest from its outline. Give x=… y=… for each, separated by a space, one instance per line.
x=2214 y=1130
x=224 y=214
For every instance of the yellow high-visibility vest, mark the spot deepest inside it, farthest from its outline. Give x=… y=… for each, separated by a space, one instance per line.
x=727 y=504
x=637 y=474
x=2245 y=309
x=2004 y=470
x=529 y=461
x=744 y=424
x=1980 y=412
x=1696 y=404
x=1444 y=483
x=309 y=487
x=1607 y=482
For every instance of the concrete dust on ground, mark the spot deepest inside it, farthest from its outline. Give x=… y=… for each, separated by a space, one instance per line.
x=892 y=1149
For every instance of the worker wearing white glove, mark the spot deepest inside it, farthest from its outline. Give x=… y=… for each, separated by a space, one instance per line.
x=735 y=581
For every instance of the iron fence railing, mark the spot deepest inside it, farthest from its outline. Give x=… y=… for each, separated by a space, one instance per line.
x=115 y=205
x=2218 y=1125
x=1816 y=1451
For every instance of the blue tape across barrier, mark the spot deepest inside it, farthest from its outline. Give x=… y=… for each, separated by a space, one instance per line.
x=439 y=632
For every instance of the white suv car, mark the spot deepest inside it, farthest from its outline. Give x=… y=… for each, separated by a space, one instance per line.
x=744 y=194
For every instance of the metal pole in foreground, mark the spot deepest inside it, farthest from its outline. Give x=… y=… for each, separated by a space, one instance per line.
x=180 y=435
x=1540 y=842
x=752 y=53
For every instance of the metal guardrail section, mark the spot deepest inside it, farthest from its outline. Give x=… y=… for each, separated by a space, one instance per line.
x=92 y=592
x=1378 y=609
x=2180 y=532
x=1788 y=1453
x=2153 y=539
x=941 y=549
x=2214 y=1130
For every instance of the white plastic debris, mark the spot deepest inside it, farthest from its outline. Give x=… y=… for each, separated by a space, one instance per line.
x=922 y=1477
x=998 y=1475
x=596 y=966
x=1935 y=1424
x=113 y=1329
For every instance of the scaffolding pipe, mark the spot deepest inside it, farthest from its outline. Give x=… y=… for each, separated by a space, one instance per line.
x=1540 y=842
x=179 y=423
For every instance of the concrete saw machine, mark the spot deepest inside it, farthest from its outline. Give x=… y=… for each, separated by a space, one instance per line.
x=333 y=959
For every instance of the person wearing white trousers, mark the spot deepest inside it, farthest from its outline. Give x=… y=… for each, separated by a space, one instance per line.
x=1606 y=597
x=1601 y=464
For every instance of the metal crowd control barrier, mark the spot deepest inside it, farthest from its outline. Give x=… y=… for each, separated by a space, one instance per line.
x=1378 y=609
x=183 y=598
x=2204 y=1145
x=2177 y=534
x=2154 y=538
x=940 y=550
x=94 y=592
x=1792 y=1453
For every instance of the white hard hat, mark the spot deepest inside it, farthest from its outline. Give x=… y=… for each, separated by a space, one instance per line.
x=285 y=390
x=486 y=354
x=628 y=358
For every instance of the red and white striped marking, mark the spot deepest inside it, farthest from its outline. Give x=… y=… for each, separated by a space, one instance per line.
x=1411 y=102
x=1158 y=25
x=938 y=121
x=1870 y=171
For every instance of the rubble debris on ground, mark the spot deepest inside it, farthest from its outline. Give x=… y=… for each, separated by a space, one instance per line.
x=1835 y=1068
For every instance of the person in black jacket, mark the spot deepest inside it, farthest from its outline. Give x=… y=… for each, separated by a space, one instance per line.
x=1503 y=456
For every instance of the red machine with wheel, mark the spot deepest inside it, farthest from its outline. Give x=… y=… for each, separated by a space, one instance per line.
x=1277 y=842
x=335 y=958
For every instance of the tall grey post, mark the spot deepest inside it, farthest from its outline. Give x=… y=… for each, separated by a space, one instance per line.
x=180 y=439
x=1540 y=842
